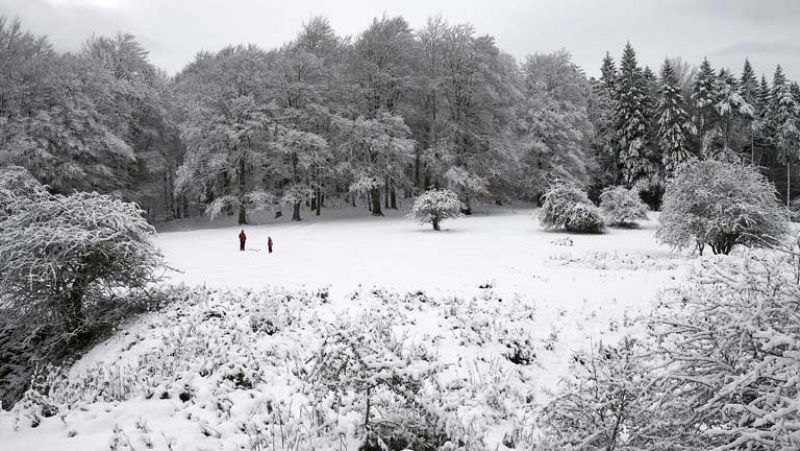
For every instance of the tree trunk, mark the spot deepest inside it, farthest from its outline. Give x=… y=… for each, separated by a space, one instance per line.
x=386 y=194
x=375 y=196
x=752 y=147
x=417 y=179
x=393 y=200
x=435 y=222
x=242 y=214
x=296 y=212
x=242 y=189
x=788 y=184
x=319 y=201
x=467 y=210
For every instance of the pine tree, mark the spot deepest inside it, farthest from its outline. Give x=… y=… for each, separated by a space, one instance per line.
x=608 y=72
x=602 y=110
x=783 y=119
x=748 y=89
x=632 y=121
x=673 y=122
x=730 y=107
x=704 y=96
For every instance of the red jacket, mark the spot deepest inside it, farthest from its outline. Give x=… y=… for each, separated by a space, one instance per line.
x=242 y=236
x=269 y=241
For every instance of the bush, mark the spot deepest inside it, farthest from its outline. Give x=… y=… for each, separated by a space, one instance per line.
x=718 y=369
x=434 y=206
x=57 y=251
x=569 y=207
x=622 y=207
x=584 y=218
x=720 y=205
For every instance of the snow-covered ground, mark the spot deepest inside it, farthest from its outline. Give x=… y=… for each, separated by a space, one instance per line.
x=506 y=248
x=562 y=297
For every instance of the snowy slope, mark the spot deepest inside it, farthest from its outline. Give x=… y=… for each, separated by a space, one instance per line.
x=560 y=297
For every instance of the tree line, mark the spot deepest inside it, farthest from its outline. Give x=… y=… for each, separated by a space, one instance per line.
x=327 y=120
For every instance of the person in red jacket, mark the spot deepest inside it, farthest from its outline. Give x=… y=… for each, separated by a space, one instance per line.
x=242 y=239
x=269 y=244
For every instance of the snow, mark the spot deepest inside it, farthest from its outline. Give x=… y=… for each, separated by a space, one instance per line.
x=505 y=246
x=594 y=290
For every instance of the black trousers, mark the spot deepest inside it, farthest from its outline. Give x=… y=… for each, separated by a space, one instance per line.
x=241 y=244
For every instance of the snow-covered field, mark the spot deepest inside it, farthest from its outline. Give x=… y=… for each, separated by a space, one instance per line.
x=485 y=286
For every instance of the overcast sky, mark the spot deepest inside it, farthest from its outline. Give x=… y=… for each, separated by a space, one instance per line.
x=726 y=31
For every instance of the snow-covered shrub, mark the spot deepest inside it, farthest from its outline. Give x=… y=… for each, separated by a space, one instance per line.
x=363 y=363
x=622 y=207
x=731 y=339
x=569 y=207
x=603 y=404
x=434 y=206
x=718 y=369
x=720 y=205
x=557 y=204
x=584 y=218
x=18 y=190
x=58 y=251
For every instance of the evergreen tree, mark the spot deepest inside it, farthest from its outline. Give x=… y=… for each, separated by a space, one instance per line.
x=704 y=96
x=730 y=108
x=783 y=120
x=608 y=72
x=674 y=125
x=632 y=119
x=749 y=91
x=602 y=110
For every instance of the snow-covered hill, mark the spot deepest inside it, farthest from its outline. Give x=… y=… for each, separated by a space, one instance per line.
x=482 y=319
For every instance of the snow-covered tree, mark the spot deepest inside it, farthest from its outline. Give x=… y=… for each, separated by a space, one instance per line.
x=632 y=119
x=225 y=124
x=59 y=253
x=674 y=126
x=601 y=112
x=228 y=156
x=721 y=205
x=731 y=108
x=784 y=125
x=622 y=207
x=434 y=206
x=554 y=122
x=467 y=185
x=376 y=150
x=748 y=90
x=704 y=95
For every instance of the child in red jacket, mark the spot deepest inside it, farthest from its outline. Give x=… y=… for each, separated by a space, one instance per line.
x=269 y=244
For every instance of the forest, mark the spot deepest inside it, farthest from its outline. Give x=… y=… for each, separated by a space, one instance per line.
x=325 y=121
